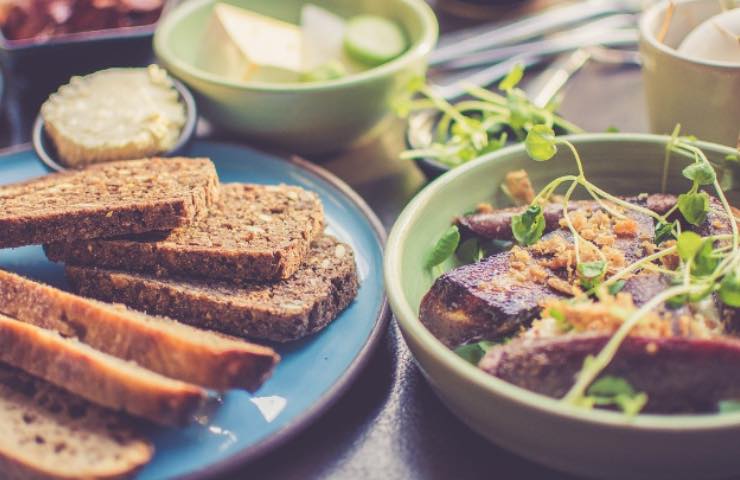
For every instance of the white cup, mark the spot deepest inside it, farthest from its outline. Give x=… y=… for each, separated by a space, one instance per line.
x=703 y=96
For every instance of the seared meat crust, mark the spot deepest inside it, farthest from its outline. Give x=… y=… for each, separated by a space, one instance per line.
x=678 y=374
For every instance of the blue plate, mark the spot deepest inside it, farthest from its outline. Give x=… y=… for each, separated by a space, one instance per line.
x=313 y=373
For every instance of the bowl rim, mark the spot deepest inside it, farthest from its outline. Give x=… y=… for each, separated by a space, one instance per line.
x=648 y=37
x=419 y=49
x=39 y=137
x=497 y=388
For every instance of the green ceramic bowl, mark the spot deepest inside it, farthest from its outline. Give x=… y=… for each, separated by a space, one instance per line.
x=302 y=117
x=598 y=444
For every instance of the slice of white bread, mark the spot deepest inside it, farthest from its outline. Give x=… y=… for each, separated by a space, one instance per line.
x=48 y=433
x=97 y=376
x=176 y=350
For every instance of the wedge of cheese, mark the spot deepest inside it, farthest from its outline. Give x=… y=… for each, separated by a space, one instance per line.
x=243 y=45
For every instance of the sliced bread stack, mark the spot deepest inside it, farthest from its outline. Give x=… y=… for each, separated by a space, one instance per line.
x=163 y=237
x=258 y=265
x=105 y=361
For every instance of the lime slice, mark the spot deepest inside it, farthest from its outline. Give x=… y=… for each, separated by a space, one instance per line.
x=373 y=40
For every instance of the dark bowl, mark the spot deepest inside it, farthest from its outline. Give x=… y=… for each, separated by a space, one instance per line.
x=46 y=151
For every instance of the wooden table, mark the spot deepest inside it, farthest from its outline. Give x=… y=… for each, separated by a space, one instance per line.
x=390 y=424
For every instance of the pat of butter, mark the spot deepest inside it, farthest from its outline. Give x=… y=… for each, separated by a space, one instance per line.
x=243 y=45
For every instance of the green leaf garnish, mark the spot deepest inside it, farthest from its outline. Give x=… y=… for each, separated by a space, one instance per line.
x=473 y=352
x=616 y=287
x=729 y=290
x=700 y=172
x=611 y=390
x=665 y=231
x=444 y=248
x=688 y=244
x=728 y=406
x=540 y=143
x=469 y=251
x=562 y=323
x=705 y=262
x=591 y=273
x=528 y=226
x=612 y=129
x=694 y=207
x=512 y=78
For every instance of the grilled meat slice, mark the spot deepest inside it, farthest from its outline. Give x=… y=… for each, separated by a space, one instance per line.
x=679 y=375
x=489 y=300
x=481 y=301
x=496 y=225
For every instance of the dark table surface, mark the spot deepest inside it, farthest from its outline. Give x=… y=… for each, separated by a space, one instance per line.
x=390 y=424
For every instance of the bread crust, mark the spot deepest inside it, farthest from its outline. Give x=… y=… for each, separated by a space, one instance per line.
x=287 y=310
x=96 y=376
x=167 y=347
x=117 y=198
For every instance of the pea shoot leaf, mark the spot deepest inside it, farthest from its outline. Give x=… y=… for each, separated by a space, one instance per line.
x=616 y=287
x=444 y=248
x=591 y=273
x=563 y=324
x=540 y=143
x=469 y=251
x=694 y=207
x=512 y=78
x=704 y=261
x=688 y=245
x=700 y=172
x=729 y=290
x=665 y=231
x=528 y=226
x=616 y=391
x=473 y=352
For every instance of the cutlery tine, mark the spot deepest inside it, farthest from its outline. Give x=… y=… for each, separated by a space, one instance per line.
x=531 y=27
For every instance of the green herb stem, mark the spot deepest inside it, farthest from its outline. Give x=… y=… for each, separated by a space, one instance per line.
x=638 y=264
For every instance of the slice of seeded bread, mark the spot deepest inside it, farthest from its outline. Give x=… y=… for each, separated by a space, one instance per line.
x=256 y=232
x=48 y=433
x=171 y=348
x=287 y=310
x=97 y=376
x=117 y=198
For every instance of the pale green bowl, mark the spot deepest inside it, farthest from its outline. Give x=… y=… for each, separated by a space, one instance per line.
x=300 y=117
x=594 y=443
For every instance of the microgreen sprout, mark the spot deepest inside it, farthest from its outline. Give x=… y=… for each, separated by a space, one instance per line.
x=707 y=264
x=482 y=123
x=615 y=391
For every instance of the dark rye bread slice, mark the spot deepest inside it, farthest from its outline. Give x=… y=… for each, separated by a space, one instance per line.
x=117 y=198
x=171 y=348
x=96 y=376
x=287 y=310
x=256 y=232
x=48 y=433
